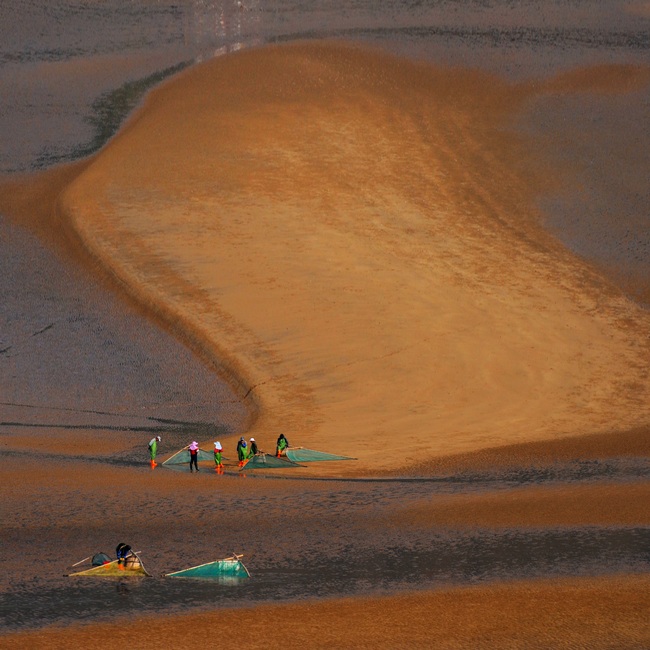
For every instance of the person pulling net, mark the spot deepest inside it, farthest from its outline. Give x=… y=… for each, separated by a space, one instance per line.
x=281 y=445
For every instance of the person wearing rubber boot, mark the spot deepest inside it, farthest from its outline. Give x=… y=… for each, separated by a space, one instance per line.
x=242 y=452
x=281 y=445
x=153 y=450
x=218 y=458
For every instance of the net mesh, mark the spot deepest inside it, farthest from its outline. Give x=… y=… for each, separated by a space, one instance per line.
x=99 y=559
x=267 y=461
x=132 y=567
x=302 y=455
x=183 y=457
x=229 y=567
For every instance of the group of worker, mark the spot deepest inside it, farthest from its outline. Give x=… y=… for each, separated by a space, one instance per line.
x=245 y=451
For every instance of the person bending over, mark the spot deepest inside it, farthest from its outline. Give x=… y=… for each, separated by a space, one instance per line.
x=281 y=445
x=122 y=552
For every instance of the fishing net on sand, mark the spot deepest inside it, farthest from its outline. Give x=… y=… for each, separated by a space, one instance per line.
x=267 y=461
x=302 y=455
x=183 y=457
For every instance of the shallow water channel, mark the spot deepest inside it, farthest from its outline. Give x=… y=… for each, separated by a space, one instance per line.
x=74 y=356
x=337 y=538
x=424 y=563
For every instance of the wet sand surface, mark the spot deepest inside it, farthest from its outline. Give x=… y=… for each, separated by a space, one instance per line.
x=514 y=535
x=303 y=538
x=524 y=615
x=88 y=360
x=425 y=254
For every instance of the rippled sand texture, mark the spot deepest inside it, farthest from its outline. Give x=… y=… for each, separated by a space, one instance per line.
x=354 y=237
x=533 y=615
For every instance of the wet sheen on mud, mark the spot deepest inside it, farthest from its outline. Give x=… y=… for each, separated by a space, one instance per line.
x=76 y=361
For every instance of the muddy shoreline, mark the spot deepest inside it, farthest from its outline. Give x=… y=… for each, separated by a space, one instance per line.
x=494 y=542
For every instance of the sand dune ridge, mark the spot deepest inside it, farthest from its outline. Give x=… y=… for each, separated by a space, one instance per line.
x=355 y=236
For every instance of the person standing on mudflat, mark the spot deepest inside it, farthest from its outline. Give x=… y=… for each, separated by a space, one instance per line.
x=194 y=455
x=242 y=452
x=218 y=449
x=153 y=449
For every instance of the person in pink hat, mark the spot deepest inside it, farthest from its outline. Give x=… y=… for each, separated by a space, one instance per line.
x=194 y=455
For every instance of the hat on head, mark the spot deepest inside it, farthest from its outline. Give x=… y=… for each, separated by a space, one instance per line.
x=158 y=438
x=217 y=445
x=252 y=439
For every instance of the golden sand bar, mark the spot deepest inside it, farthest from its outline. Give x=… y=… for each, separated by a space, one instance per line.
x=585 y=614
x=353 y=241
x=353 y=237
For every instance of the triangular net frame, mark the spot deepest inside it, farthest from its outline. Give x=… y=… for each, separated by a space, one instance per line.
x=131 y=567
x=230 y=567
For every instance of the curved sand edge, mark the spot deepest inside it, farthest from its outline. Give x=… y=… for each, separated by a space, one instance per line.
x=32 y=201
x=351 y=235
x=589 y=613
x=173 y=320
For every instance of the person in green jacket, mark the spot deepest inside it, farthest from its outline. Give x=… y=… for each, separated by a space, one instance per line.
x=153 y=449
x=242 y=452
x=281 y=445
x=218 y=449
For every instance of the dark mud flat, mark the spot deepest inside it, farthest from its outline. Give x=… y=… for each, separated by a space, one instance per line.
x=75 y=356
x=86 y=381
x=389 y=566
x=302 y=539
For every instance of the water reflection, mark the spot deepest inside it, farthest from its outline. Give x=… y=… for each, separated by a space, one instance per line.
x=57 y=59
x=222 y=27
x=71 y=71
x=423 y=562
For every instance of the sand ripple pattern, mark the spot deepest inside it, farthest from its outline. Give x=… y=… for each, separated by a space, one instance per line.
x=353 y=236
